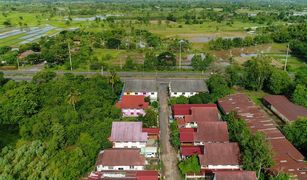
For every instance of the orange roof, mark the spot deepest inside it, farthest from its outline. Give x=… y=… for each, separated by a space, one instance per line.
x=132 y=102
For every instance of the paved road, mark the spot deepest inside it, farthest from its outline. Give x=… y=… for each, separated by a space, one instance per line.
x=168 y=153
x=28 y=74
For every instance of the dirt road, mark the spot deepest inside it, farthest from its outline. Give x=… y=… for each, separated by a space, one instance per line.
x=168 y=153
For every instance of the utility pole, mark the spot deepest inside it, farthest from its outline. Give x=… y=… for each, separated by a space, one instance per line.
x=285 y=67
x=69 y=56
x=17 y=63
x=180 y=57
x=102 y=70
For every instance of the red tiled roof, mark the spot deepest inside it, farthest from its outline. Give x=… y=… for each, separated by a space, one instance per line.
x=287 y=158
x=147 y=175
x=291 y=111
x=120 y=157
x=185 y=109
x=235 y=175
x=128 y=131
x=154 y=131
x=132 y=102
x=212 y=132
x=186 y=135
x=204 y=114
x=220 y=154
x=190 y=150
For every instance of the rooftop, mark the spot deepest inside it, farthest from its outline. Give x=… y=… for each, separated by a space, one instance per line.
x=203 y=114
x=212 y=132
x=220 y=154
x=190 y=150
x=121 y=175
x=185 y=109
x=128 y=131
x=235 y=175
x=287 y=158
x=146 y=85
x=132 y=102
x=188 y=86
x=291 y=111
x=120 y=157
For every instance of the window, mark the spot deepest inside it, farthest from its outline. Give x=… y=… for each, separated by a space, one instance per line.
x=152 y=93
x=128 y=93
x=131 y=167
x=175 y=93
x=144 y=93
x=120 y=168
x=110 y=167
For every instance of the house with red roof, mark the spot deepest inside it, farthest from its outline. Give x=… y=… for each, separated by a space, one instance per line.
x=132 y=106
x=120 y=159
x=220 y=156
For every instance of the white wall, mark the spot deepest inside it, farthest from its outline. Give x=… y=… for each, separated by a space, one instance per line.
x=125 y=168
x=129 y=144
x=186 y=94
x=152 y=95
x=133 y=112
x=221 y=167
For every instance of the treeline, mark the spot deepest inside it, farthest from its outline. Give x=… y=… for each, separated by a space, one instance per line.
x=63 y=123
x=224 y=44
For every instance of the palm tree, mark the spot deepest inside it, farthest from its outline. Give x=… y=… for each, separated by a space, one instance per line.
x=73 y=98
x=113 y=79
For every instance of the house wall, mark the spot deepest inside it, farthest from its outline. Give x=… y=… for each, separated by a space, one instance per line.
x=186 y=94
x=125 y=168
x=281 y=116
x=152 y=95
x=133 y=112
x=129 y=144
x=221 y=167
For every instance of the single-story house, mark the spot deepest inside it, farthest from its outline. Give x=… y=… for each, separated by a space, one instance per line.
x=132 y=106
x=220 y=156
x=124 y=175
x=120 y=159
x=128 y=135
x=235 y=175
x=145 y=87
x=186 y=88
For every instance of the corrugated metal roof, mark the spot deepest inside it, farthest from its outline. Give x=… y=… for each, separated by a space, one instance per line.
x=128 y=131
x=188 y=85
x=291 y=111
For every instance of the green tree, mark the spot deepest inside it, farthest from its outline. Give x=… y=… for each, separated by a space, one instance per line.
x=113 y=43
x=179 y=100
x=279 y=82
x=200 y=64
x=149 y=119
x=166 y=60
x=296 y=132
x=174 y=135
x=43 y=77
x=73 y=98
x=218 y=86
x=257 y=71
x=113 y=79
x=189 y=165
x=299 y=95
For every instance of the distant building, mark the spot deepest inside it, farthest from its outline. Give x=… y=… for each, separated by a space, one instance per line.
x=120 y=159
x=283 y=108
x=235 y=175
x=132 y=106
x=220 y=156
x=25 y=54
x=186 y=88
x=128 y=135
x=147 y=88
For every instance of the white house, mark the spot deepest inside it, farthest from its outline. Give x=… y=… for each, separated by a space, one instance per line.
x=186 y=88
x=120 y=160
x=220 y=156
x=132 y=106
x=145 y=87
x=128 y=135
